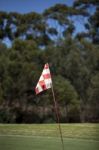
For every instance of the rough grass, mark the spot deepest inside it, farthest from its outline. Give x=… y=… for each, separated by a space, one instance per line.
x=46 y=137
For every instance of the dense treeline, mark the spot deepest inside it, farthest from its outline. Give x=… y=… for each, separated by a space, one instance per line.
x=73 y=58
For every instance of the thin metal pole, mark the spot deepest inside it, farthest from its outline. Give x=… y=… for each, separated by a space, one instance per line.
x=57 y=115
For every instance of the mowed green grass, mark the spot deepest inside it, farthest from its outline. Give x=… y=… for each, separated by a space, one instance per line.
x=46 y=137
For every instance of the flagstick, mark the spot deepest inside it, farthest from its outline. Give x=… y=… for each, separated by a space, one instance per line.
x=57 y=115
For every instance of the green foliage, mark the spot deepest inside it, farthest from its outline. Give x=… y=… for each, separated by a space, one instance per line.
x=74 y=64
x=67 y=98
x=92 y=23
x=93 y=101
x=1 y=95
x=64 y=90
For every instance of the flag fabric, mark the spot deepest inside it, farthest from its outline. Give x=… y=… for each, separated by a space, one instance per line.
x=45 y=81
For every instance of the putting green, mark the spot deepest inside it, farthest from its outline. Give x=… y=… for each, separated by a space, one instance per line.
x=45 y=143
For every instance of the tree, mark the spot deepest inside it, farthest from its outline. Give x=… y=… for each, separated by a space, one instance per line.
x=50 y=37
x=26 y=26
x=93 y=99
x=57 y=19
x=67 y=98
x=92 y=23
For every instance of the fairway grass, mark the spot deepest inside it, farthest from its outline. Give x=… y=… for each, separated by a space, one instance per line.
x=46 y=137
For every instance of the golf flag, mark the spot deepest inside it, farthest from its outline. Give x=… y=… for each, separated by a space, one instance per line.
x=45 y=81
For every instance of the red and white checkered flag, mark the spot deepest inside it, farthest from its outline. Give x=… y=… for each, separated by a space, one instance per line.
x=45 y=81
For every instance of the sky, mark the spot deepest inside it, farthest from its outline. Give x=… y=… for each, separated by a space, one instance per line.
x=25 y=6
